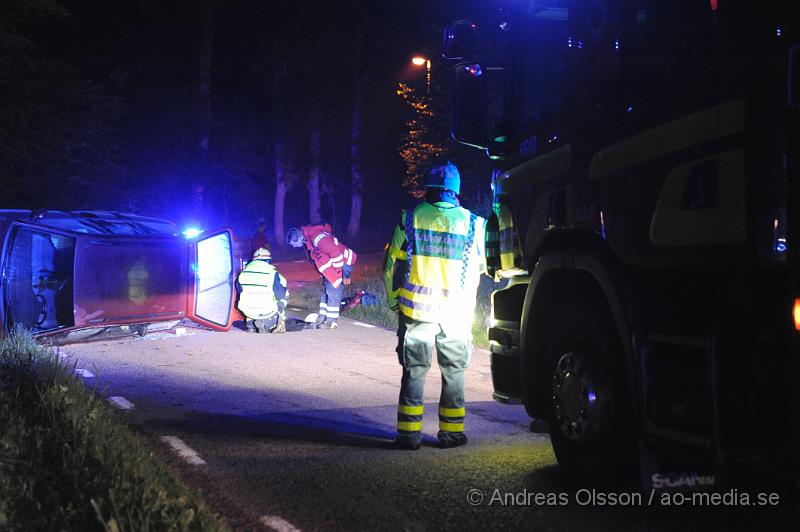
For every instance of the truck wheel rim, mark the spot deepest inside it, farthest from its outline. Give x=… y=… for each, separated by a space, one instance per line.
x=574 y=398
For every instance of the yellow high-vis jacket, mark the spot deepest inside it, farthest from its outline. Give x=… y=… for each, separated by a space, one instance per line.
x=263 y=290
x=506 y=236
x=503 y=252
x=434 y=262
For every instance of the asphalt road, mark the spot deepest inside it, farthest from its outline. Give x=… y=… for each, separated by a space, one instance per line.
x=294 y=431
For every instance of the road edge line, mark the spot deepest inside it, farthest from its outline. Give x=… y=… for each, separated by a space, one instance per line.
x=183 y=450
x=279 y=524
x=120 y=402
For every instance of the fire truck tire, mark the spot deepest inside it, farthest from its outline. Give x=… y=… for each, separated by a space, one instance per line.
x=590 y=415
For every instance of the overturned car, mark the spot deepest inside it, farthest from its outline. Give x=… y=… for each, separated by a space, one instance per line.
x=82 y=275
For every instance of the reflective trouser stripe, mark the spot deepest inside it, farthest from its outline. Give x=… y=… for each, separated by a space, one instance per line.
x=451 y=419
x=452 y=412
x=409 y=418
x=410 y=410
x=409 y=426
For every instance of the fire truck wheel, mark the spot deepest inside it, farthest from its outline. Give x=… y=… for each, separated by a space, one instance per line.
x=590 y=415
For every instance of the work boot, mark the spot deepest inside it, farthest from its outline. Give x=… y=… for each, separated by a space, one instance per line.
x=406 y=445
x=448 y=440
x=261 y=326
x=327 y=324
x=319 y=321
x=251 y=326
x=281 y=326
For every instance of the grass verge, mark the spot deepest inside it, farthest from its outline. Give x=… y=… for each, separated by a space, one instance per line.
x=370 y=279
x=68 y=461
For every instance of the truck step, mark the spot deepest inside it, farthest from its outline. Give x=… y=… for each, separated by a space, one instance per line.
x=677 y=436
x=681 y=394
x=672 y=339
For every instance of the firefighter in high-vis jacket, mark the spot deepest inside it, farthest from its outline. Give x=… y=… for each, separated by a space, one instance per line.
x=502 y=250
x=263 y=294
x=431 y=272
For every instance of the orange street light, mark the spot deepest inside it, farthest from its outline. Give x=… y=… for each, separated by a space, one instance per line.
x=418 y=60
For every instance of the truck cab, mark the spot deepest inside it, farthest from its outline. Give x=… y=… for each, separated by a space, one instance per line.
x=647 y=160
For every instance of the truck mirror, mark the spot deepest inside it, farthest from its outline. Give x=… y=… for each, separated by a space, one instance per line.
x=469 y=104
x=793 y=95
x=460 y=40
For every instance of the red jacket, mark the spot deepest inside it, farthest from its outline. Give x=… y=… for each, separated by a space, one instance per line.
x=326 y=252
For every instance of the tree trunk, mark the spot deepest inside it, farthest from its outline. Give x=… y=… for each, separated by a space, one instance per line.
x=201 y=179
x=356 y=172
x=329 y=200
x=282 y=186
x=282 y=159
x=314 y=215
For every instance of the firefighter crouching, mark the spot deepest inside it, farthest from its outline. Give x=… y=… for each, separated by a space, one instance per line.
x=263 y=294
x=431 y=272
x=333 y=260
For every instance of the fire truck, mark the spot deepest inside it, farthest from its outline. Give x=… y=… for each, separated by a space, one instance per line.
x=646 y=218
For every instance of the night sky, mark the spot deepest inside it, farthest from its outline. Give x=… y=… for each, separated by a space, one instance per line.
x=177 y=109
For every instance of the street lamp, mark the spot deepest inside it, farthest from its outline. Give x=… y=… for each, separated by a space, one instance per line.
x=418 y=60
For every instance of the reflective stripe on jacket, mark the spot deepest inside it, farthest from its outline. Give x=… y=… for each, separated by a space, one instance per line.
x=261 y=295
x=444 y=258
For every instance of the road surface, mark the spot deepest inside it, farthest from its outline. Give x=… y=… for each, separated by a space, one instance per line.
x=294 y=431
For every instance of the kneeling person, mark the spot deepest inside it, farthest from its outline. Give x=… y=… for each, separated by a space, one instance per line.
x=263 y=294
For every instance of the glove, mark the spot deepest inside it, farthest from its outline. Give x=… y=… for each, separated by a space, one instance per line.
x=346 y=271
x=281 y=326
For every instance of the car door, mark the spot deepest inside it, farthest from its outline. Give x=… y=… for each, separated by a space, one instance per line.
x=211 y=292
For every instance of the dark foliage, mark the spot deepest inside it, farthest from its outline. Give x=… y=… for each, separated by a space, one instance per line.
x=103 y=106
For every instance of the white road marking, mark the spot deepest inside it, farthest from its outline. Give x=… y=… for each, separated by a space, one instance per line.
x=120 y=402
x=367 y=325
x=183 y=450
x=85 y=373
x=296 y=261
x=278 y=523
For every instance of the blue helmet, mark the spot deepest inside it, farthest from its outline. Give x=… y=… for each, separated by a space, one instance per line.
x=444 y=176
